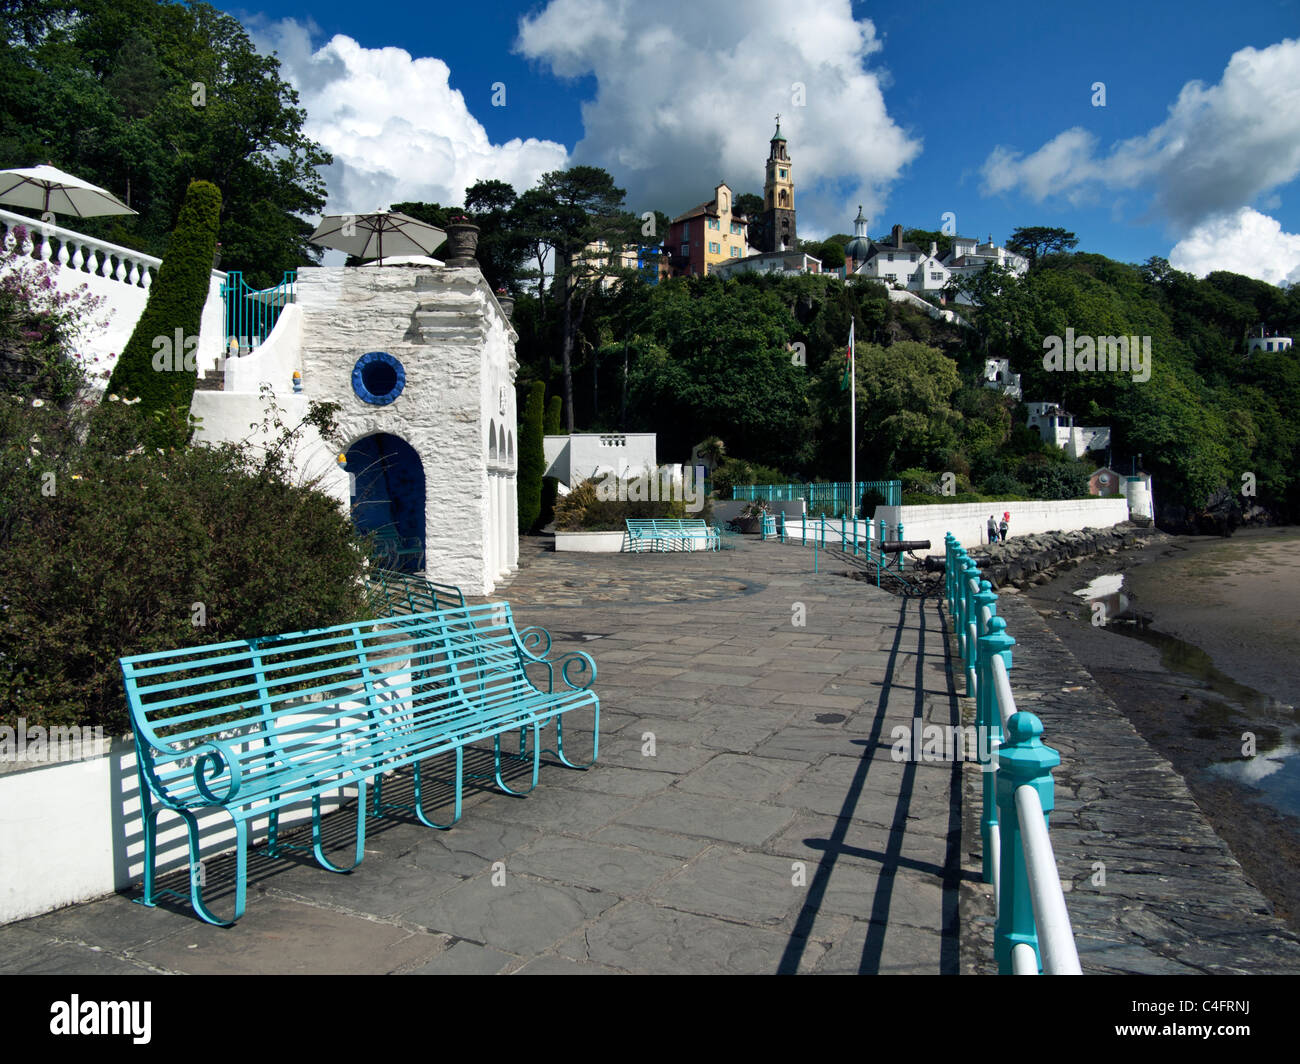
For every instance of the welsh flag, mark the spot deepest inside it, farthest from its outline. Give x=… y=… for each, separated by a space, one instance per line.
x=848 y=362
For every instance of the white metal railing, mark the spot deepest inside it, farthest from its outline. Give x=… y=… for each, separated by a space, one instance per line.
x=1032 y=919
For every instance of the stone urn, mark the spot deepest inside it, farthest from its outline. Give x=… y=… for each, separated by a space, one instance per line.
x=462 y=242
x=507 y=302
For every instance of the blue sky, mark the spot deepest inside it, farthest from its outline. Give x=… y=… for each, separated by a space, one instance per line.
x=984 y=110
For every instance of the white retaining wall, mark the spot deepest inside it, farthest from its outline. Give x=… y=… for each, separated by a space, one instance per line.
x=71 y=831
x=969 y=521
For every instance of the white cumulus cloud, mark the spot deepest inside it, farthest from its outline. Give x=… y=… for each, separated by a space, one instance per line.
x=1243 y=241
x=686 y=94
x=396 y=128
x=1221 y=147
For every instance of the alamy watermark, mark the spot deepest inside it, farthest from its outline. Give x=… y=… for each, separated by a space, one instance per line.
x=56 y=743
x=662 y=484
x=1098 y=354
x=944 y=742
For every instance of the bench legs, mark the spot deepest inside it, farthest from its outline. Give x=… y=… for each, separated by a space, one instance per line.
x=523 y=748
x=150 y=819
x=419 y=801
x=317 y=840
x=559 y=741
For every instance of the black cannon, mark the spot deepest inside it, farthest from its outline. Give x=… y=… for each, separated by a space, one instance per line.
x=901 y=545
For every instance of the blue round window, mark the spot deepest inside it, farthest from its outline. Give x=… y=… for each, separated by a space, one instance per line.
x=378 y=378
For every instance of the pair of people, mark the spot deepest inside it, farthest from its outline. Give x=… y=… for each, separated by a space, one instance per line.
x=998 y=532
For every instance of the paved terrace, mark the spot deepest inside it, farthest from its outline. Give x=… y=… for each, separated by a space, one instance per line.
x=769 y=832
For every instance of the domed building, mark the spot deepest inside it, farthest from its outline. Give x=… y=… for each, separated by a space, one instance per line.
x=858 y=250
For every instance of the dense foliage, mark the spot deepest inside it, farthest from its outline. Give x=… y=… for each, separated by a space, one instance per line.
x=606 y=507
x=110 y=548
x=143 y=96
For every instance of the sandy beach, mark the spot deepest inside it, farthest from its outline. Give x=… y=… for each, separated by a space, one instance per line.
x=1202 y=652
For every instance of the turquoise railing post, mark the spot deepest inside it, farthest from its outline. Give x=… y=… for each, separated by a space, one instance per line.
x=842 y=539
x=959 y=569
x=985 y=597
x=803 y=530
x=783 y=526
x=969 y=616
x=988 y=731
x=1023 y=761
x=814 y=553
x=948 y=540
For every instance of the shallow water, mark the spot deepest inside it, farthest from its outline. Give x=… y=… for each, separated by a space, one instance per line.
x=1273 y=773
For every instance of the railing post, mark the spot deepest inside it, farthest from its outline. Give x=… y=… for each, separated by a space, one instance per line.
x=988 y=732
x=842 y=534
x=970 y=571
x=803 y=530
x=985 y=597
x=1024 y=761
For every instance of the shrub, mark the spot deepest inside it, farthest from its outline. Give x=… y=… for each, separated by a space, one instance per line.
x=152 y=368
x=41 y=326
x=583 y=510
x=1002 y=484
x=125 y=548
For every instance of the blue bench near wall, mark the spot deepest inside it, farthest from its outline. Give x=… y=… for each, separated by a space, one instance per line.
x=250 y=727
x=670 y=533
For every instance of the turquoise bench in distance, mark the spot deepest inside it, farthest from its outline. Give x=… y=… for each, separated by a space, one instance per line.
x=666 y=533
x=395 y=551
x=397 y=592
x=252 y=726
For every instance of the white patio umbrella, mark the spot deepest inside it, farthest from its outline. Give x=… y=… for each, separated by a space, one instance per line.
x=371 y=236
x=44 y=188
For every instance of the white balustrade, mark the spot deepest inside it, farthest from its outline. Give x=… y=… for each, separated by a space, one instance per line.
x=78 y=252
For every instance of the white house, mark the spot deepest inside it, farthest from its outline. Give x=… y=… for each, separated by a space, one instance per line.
x=421 y=361
x=587 y=455
x=1267 y=343
x=896 y=262
x=1054 y=425
x=969 y=256
x=769 y=262
x=997 y=374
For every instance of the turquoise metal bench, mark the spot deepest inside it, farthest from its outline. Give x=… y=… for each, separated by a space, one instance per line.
x=670 y=533
x=251 y=727
x=395 y=592
x=395 y=550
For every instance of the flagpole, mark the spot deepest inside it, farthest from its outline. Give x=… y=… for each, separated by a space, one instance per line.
x=853 y=423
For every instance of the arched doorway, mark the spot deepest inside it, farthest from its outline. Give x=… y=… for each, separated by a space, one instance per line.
x=388 y=497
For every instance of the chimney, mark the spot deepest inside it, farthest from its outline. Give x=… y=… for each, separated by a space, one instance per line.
x=898 y=236
x=934 y=249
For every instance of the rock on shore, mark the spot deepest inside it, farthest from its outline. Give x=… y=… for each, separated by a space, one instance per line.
x=1034 y=559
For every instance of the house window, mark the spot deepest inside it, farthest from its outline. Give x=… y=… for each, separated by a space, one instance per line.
x=891 y=256
x=783 y=174
x=936 y=277
x=686 y=230
x=735 y=252
x=714 y=223
x=715 y=248
x=735 y=227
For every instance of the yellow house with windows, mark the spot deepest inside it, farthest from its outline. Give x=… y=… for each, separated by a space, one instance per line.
x=706 y=235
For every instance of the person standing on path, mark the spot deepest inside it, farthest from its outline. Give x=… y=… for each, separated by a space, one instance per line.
x=1002 y=528
x=993 y=530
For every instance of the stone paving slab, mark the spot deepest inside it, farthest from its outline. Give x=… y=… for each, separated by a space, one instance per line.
x=726 y=827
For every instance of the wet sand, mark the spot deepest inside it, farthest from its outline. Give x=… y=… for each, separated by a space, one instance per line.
x=1212 y=654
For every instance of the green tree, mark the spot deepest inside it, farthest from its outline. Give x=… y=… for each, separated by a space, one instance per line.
x=532 y=461
x=143 y=96
x=1035 y=241
x=582 y=220
x=157 y=365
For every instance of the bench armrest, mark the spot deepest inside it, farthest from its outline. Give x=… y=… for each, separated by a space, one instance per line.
x=212 y=760
x=577 y=669
x=535 y=643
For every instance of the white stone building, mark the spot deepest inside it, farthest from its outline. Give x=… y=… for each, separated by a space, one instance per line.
x=769 y=262
x=1054 y=425
x=1267 y=343
x=970 y=256
x=896 y=262
x=591 y=455
x=997 y=374
x=421 y=362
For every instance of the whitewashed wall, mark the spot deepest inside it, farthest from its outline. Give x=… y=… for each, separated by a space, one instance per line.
x=969 y=521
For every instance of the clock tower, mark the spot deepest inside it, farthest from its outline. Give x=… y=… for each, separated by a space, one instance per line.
x=778 y=196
